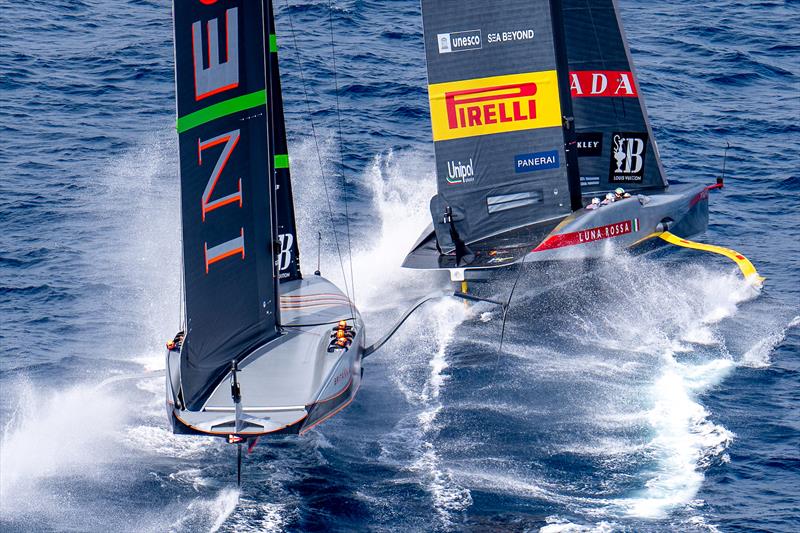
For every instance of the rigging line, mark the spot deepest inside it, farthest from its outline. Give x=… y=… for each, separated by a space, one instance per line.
x=341 y=149
x=316 y=145
x=506 y=309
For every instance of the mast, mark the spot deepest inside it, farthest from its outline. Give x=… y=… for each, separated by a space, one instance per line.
x=570 y=139
x=288 y=250
x=226 y=200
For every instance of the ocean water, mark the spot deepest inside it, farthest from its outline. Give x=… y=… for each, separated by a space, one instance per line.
x=653 y=394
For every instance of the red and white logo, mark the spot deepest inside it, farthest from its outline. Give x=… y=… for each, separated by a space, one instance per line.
x=602 y=83
x=589 y=235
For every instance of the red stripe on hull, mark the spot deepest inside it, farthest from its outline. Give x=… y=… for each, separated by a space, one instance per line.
x=587 y=235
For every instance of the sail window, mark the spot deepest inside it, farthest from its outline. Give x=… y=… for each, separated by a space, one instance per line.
x=505 y=202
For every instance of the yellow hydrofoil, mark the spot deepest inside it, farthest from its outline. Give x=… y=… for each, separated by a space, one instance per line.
x=747 y=268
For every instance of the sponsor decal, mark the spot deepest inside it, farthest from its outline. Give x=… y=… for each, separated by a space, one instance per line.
x=589 y=235
x=498 y=104
x=458 y=172
x=509 y=36
x=536 y=161
x=459 y=41
x=627 y=157
x=341 y=377
x=600 y=83
x=588 y=181
x=590 y=144
x=285 y=255
x=499 y=260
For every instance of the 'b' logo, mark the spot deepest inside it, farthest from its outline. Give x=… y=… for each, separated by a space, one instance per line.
x=285 y=256
x=627 y=157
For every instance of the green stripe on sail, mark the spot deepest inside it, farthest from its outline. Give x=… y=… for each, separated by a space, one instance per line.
x=281 y=161
x=273 y=42
x=222 y=109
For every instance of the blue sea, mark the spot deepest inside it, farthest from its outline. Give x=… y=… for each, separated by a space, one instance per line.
x=657 y=393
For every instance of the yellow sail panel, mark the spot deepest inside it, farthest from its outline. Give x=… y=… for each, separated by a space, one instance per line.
x=496 y=104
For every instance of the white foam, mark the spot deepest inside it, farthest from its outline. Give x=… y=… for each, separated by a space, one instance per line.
x=758 y=356
x=147 y=267
x=401 y=185
x=448 y=497
x=669 y=315
x=162 y=442
x=560 y=525
x=207 y=514
x=683 y=443
x=265 y=517
x=193 y=477
x=55 y=434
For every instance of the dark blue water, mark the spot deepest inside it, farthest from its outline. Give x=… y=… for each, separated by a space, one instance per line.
x=656 y=394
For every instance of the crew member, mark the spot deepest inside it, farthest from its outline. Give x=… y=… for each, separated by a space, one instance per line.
x=619 y=194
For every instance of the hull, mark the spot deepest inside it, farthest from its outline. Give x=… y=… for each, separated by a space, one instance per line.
x=289 y=385
x=631 y=224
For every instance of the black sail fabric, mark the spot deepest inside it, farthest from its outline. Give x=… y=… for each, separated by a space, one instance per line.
x=288 y=258
x=615 y=143
x=496 y=117
x=225 y=193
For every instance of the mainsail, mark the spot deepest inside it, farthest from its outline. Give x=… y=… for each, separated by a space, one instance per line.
x=289 y=255
x=615 y=142
x=496 y=116
x=226 y=200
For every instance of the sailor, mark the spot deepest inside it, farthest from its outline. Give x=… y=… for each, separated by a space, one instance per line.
x=175 y=343
x=619 y=194
x=595 y=203
x=609 y=199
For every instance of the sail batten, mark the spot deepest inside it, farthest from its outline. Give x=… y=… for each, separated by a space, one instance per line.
x=227 y=202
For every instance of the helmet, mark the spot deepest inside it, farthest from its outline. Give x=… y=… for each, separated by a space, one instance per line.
x=610 y=196
x=619 y=191
x=595 y=200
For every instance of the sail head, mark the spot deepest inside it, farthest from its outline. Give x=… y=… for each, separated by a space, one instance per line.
x=226 y=199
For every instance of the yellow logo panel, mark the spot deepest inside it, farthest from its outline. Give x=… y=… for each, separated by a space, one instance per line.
x=497 y=104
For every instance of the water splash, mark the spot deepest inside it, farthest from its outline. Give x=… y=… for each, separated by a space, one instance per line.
x=53 y=435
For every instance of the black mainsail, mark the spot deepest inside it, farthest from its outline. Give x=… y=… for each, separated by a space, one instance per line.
x=615 y=141
x=226 y=200
x=288 y=258
x=534 y=105
x=496 y=117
